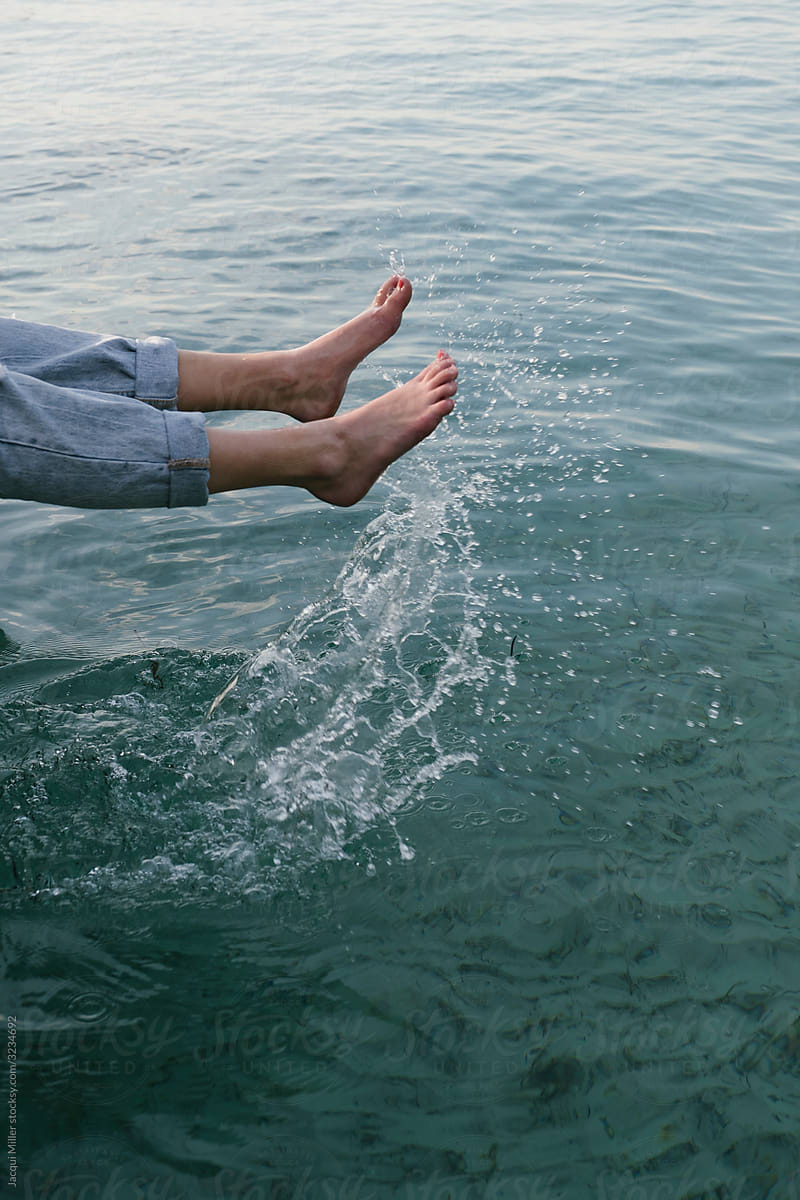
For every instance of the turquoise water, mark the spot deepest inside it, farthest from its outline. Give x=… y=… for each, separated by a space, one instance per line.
x=482 y=878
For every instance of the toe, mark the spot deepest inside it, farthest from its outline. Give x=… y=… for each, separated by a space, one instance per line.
x=443 y=406
x=444 y=369
x=386 y=290
x=401 y=294
x=397 y=289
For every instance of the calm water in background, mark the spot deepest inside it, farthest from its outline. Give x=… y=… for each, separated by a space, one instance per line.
x=482 y=880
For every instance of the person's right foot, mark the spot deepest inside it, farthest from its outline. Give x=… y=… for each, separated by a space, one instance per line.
x=366 y=440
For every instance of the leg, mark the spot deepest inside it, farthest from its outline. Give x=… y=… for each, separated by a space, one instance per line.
x=308 y=383
x=73 y=430
x=141 y=368
x=71 y=446
x=339 y=458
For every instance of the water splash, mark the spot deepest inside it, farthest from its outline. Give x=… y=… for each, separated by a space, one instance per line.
x=327 y=733
x=347 y=702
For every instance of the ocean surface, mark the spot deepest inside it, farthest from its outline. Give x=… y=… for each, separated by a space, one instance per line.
x=482 y=877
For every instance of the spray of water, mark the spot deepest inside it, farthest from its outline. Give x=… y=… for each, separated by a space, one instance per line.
x=344 y=711
x=349 y=717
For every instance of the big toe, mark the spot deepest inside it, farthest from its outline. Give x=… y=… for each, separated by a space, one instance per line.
x=395 y=293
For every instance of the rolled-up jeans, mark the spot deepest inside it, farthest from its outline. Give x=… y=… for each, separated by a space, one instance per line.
x=92 y=421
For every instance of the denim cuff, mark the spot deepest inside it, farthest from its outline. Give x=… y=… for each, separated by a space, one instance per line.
x=188 y=459
x=157 y=372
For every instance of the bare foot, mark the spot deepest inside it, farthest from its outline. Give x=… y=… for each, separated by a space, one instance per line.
x=307 y=383
x=323 y=367
x=369 y=438
x=339 y=458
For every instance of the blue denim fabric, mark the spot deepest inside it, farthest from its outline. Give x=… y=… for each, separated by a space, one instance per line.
x=91 y=421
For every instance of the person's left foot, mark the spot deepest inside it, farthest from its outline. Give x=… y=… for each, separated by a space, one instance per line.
x=308 y=383
x=339 y=458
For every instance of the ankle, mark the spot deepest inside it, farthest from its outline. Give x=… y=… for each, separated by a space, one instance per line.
x=332 y=457
x=264 y=381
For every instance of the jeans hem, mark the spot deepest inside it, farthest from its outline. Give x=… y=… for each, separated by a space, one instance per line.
x=188 y=461
x=157 y=372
